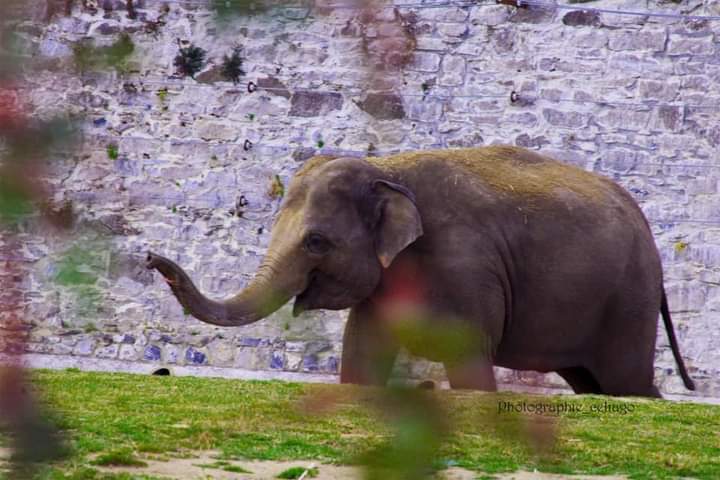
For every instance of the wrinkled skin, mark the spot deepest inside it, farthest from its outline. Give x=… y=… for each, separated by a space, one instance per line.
x=475 y=257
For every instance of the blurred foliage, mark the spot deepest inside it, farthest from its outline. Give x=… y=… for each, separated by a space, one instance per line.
x=15 y=201
x=412 y=453
x=452 y=343
x=33 y=140
x=78 y=270
x=232 y=66
x=228 y=10
x=27 y=147
x=190 y=60
x=78 y=266
x=91 y=58
x=32 y=430
x=12 y=47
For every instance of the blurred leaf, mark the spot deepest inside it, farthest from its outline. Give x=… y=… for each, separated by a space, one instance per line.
x=78 y=267
x=79 y=271
x=420 y=430
x=11 y=48
x=38 y=138
x=88 y=57
x=226 y=10
x=15 y=202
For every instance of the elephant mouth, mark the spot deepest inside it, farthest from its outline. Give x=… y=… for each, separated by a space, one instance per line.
x=302 y=299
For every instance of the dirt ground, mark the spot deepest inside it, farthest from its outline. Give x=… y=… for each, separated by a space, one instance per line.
x=198 y=467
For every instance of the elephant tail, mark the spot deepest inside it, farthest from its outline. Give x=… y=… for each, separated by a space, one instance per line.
x=689 y=384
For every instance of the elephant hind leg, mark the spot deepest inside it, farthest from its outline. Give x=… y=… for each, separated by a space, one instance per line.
x=622 y=381
x=580 y=379
x=627 y=374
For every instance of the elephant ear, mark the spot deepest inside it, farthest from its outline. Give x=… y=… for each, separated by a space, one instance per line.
x=399 y=222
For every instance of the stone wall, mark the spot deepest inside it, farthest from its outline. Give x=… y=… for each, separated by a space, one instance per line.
x=635 y=98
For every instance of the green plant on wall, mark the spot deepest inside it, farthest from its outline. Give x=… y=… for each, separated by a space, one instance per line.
x=116 y=56
x=190 y=60
x=113 y=151
x=162 y=94
x=277 y=188
x=232 y=66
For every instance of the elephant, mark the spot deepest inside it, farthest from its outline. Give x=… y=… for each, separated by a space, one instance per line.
x=539 y=264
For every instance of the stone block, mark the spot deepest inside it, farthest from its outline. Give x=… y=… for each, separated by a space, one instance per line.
x=277 y=360
x=560 y=118
x=383 y=106
x=453 y=30
x=109 y=351
x=582 y=18
x=128 y=353
x=314 y=104
x=661 y=90
x=84 y=347
x=425 y=62
x=642 y=40
x=680 y=45
x=453 y=71
x=195 y=357
x=152 y=353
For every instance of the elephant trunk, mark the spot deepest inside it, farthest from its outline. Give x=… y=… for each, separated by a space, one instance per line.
x=265 y=294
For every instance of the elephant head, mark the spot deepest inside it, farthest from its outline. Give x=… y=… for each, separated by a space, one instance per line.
x=342 y=221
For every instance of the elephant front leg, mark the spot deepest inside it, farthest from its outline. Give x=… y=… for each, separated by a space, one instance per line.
x=369 y=350
x=473 y=374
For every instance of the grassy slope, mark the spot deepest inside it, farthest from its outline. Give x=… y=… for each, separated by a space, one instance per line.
x=117 y=414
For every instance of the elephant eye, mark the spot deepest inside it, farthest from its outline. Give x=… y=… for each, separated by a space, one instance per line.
x=317 y=244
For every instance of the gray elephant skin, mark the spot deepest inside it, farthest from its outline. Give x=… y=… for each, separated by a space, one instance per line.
x=538 y=264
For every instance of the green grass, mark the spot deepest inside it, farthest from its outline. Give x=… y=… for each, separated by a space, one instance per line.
x=121 y=417
x=124 y=457
x=296 y=472
x=223 y=465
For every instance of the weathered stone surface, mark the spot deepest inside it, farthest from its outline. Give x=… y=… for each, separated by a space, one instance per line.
x=425 y=62
x=564 y=119
x=313 y=104
x=383 y=106
x=680 y=45
x=273 y=86
x=453 y=71
x=211 y=75
x=152 y=353
x=532 y=15
x=582 y=18
x=642 y=40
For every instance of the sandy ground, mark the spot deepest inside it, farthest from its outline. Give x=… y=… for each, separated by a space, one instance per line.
x=196 y=468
